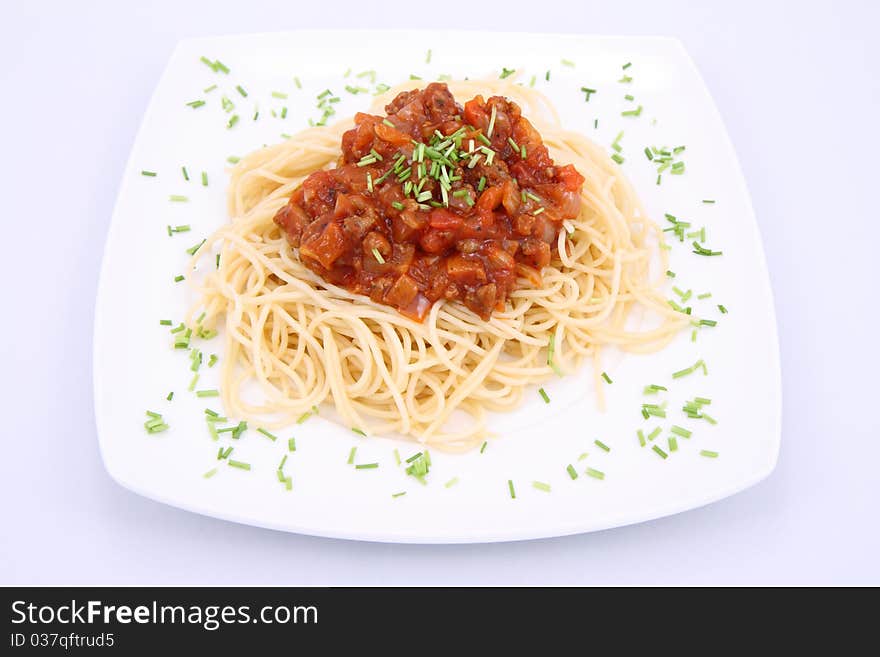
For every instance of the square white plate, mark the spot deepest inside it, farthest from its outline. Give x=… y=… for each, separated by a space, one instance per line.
x=135 y=367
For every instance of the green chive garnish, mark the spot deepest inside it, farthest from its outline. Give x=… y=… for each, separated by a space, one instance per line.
x=602 y=445
x=571 y=471
x=238 y=464
x=596 y=474
x=207 y=393
x=708 y=454
x=660 y=452
x=540 y=485
x=177 y=198
x=149 y=174
x=366 y=466
x=544 y=395
x=511 y=489
x=606 y=377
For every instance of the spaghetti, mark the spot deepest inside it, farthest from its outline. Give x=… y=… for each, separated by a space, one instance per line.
x=293 y=341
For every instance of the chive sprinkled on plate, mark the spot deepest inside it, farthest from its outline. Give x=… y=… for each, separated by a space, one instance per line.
x=673 y=443
x=400 y=494
x=544 y=395
x=359 y=432
x=241 y=465
x=178 y=198
x=366 y=466
x=483 y=446
x=606 y=377
x=451 y=482
x=351 y=455
x=709 y=454
x=507 y=72
x=195 y=104
x=511 y=489
x=660 y=452
x=571 y=471
x=602 y=445
x=155 y=423
x=271 y=436
x=207 y=393
x=149 y=174
x=596 y=474
x=540 y=485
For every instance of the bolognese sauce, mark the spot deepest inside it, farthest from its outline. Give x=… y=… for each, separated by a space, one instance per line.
x=434 y=201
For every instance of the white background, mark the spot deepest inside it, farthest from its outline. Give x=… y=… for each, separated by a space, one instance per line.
x=798 y=87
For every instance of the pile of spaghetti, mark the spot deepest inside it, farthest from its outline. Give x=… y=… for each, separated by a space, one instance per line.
x=295 y=341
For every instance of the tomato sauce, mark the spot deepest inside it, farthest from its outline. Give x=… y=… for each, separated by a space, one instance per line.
x=434 y=201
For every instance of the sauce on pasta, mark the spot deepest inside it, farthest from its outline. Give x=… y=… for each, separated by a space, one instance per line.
x=434 y=201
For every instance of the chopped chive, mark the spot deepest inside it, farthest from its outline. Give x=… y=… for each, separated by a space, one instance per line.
x=540 y=485
x=705 y=295
x=629 y=97
x=451 y=482
x=241 y=91
x=660 y=452
x=297 y=82
x=708 y=201
x=165 y=322
x=170 y=396
x=400 y=494
x=596 y=474
x=602 y=445
x=507 y=72
x=232 y=121
x=673 y=444
x=149 y=174
x=722 y=309
x=641 y=436
x=238 y=464
x=511 y=489
x=192 y=250
x=627 y=65
x=708 y=418
x=210 y=473
x=207 y=393
x=179 y=278
x=351 y=455
x=617 y=158
x=270 y=436
x=648 y=153
x=193 y=382
x=359 y=432
x=606 y=377
x=366 y=466
x=544 y=395
x=654 y=433
x=708 y=454
x=232 y=159
x=397 y=456
x=571 y=471
x=483 y=446
x=291 y=445
x=700 y=250
x=551 y=349
x=428 y=57
x=195 y=104
x=636 y=112
x=177 y=198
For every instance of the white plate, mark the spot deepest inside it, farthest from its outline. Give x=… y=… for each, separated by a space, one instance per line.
x=134 y=366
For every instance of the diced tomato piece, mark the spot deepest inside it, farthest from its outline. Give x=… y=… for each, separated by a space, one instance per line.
x=326 y=247
x=444 y=219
